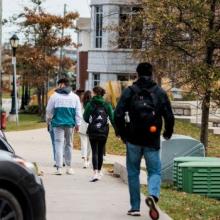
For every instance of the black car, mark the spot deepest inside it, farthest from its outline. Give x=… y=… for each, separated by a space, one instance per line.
x=22 y=195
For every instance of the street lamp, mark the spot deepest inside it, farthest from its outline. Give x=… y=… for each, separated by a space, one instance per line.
x=14 y=40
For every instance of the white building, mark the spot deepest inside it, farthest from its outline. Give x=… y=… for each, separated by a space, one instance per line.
x=83 y=26
x=107 y=59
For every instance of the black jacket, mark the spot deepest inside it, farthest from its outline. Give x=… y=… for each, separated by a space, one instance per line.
x=164 y=111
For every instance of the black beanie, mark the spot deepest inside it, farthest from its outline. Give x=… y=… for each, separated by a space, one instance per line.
x=144 y=69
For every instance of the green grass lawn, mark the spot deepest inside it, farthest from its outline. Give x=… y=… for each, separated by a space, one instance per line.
x=183 y=206
x=185 y=128
x=26 y=122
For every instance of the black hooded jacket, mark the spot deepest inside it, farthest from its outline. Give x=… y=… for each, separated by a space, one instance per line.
x=164 y=111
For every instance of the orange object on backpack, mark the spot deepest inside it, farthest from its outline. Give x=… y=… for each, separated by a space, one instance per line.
x=153 y=129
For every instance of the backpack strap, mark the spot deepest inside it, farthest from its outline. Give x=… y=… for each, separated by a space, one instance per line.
x=136 y=89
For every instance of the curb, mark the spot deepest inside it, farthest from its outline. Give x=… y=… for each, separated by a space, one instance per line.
x=121 y=171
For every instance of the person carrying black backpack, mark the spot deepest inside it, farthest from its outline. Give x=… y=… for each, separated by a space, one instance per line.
x=97 y=114
x=138 y=121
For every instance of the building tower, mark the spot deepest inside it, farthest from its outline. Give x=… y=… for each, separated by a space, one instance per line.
x=107 y=58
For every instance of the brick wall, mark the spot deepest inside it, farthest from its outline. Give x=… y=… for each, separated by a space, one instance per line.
x=83 y=66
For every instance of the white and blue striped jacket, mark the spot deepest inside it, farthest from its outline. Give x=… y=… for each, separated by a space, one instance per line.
x=64 y=109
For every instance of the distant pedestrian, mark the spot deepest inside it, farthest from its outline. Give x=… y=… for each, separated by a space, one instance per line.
x=97 y=114
x=138 y=120
x=64 y=110
x=84 y=139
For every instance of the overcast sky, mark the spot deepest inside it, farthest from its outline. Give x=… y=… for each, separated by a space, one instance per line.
x=53 y=6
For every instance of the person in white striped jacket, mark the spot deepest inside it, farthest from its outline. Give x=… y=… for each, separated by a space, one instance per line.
x=64 y=111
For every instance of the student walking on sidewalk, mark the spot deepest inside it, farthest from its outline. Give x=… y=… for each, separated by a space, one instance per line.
x=84 y=139
x=51 y=132
x=97 y=114
x=138 y=121
x=64 y=111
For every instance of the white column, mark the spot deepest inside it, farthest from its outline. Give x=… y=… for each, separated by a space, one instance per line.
x=92 y=27
x=90 y=81
x=111 y=14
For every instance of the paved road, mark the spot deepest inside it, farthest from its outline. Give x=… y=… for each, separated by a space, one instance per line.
x=74 y=197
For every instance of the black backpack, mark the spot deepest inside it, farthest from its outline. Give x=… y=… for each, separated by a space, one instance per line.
x=143 y=112
x=98 y=127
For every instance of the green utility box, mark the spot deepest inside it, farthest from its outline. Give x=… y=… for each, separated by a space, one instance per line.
x=201 y=178
x=177 y=171
x=178 y=146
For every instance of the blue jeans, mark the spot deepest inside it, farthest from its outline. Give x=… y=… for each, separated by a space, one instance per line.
x=153 y=165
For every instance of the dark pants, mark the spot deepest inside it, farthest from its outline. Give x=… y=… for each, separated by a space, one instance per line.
x=104 y=151
x=97 y=153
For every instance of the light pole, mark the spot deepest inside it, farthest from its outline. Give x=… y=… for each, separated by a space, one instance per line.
x=60 y=74
x=14 y=40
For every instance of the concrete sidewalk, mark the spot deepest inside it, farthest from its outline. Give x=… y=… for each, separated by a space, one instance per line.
x=74 y=197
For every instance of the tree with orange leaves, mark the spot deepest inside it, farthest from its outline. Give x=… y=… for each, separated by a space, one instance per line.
x=37 y=62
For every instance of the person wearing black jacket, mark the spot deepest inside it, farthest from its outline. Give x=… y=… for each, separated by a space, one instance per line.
x=142 y=135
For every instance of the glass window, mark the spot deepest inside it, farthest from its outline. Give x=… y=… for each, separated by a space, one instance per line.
x=98 y=26
x=96 y=79
x=130 y=30
x=126 y=77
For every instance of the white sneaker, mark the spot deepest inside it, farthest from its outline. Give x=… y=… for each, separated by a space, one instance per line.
x=100 y=175
x=134 y=212
x=94 y=178
x=87 y=164
x=69 y=171
x=58 y=171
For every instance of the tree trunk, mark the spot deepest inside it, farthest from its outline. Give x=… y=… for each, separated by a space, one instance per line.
x=26 y=95
x=22 y=98
x=207 y=97
x=47 y=89
x=43 y=104
x=39 y=100
x=205 y=120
